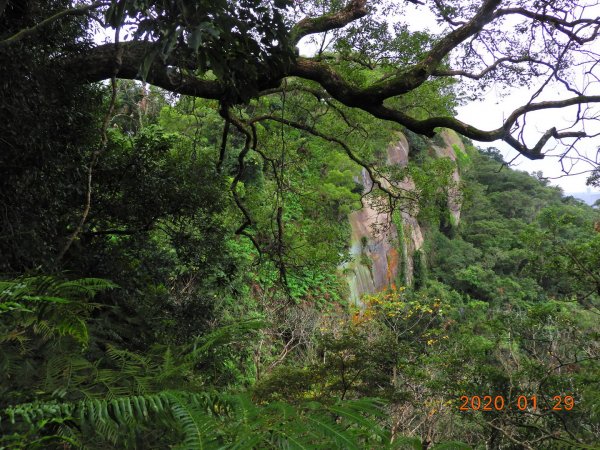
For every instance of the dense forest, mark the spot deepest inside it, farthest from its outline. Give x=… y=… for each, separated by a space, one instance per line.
x=274 y=265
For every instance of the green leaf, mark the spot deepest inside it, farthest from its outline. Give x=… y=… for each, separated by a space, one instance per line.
x=147 y=64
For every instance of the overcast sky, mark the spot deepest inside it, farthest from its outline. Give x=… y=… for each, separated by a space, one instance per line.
x=488 y=113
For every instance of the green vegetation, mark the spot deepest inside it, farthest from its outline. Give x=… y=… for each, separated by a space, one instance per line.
x=505 y=305
x=171 y=269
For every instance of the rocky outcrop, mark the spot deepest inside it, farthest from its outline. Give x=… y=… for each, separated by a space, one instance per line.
x=384 y=248
x=452 y=142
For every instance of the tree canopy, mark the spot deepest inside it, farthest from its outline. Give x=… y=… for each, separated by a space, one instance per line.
x=234 y=51
x=208 y=240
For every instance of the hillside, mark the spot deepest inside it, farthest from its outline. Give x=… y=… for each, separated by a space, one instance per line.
x=588 y=197
x=212 y=240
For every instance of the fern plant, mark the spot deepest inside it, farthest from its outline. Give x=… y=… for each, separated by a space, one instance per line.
x=193 y=421
x=43 y=332
x=52 y=396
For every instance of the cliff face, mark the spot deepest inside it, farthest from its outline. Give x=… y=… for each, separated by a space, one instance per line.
x=384 y=248
x=451 y=141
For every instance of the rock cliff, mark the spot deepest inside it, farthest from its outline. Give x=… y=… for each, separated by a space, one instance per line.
x=383 y=246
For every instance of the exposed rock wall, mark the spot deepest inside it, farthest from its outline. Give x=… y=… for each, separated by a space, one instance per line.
x=451 y=140
x=383 y=247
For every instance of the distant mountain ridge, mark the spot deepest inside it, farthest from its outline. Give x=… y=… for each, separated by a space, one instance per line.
x=588 y=197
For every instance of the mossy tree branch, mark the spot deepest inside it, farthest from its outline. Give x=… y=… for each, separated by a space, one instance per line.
x=180 y=71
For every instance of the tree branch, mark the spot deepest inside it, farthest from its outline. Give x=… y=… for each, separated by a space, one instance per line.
x=96 y=153
x=545 y=18
x=347 y=149
x=97 y=65
x=223 y=148
x=311 y=25
x=176 y=74
x=406 y=81
x=248 y=144
x=488 y=69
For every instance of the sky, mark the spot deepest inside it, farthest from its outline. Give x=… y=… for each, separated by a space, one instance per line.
x=488 y=112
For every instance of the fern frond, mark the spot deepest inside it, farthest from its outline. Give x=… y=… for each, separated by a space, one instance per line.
x=210 y=420
x=83 y=288
x=74 y=327
x=125 y=358
x=332 y=430
x=198 y=427
x=16 y=336
x=353 y=417
x=290 y=441
x=52 y=289
x=220 y=336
